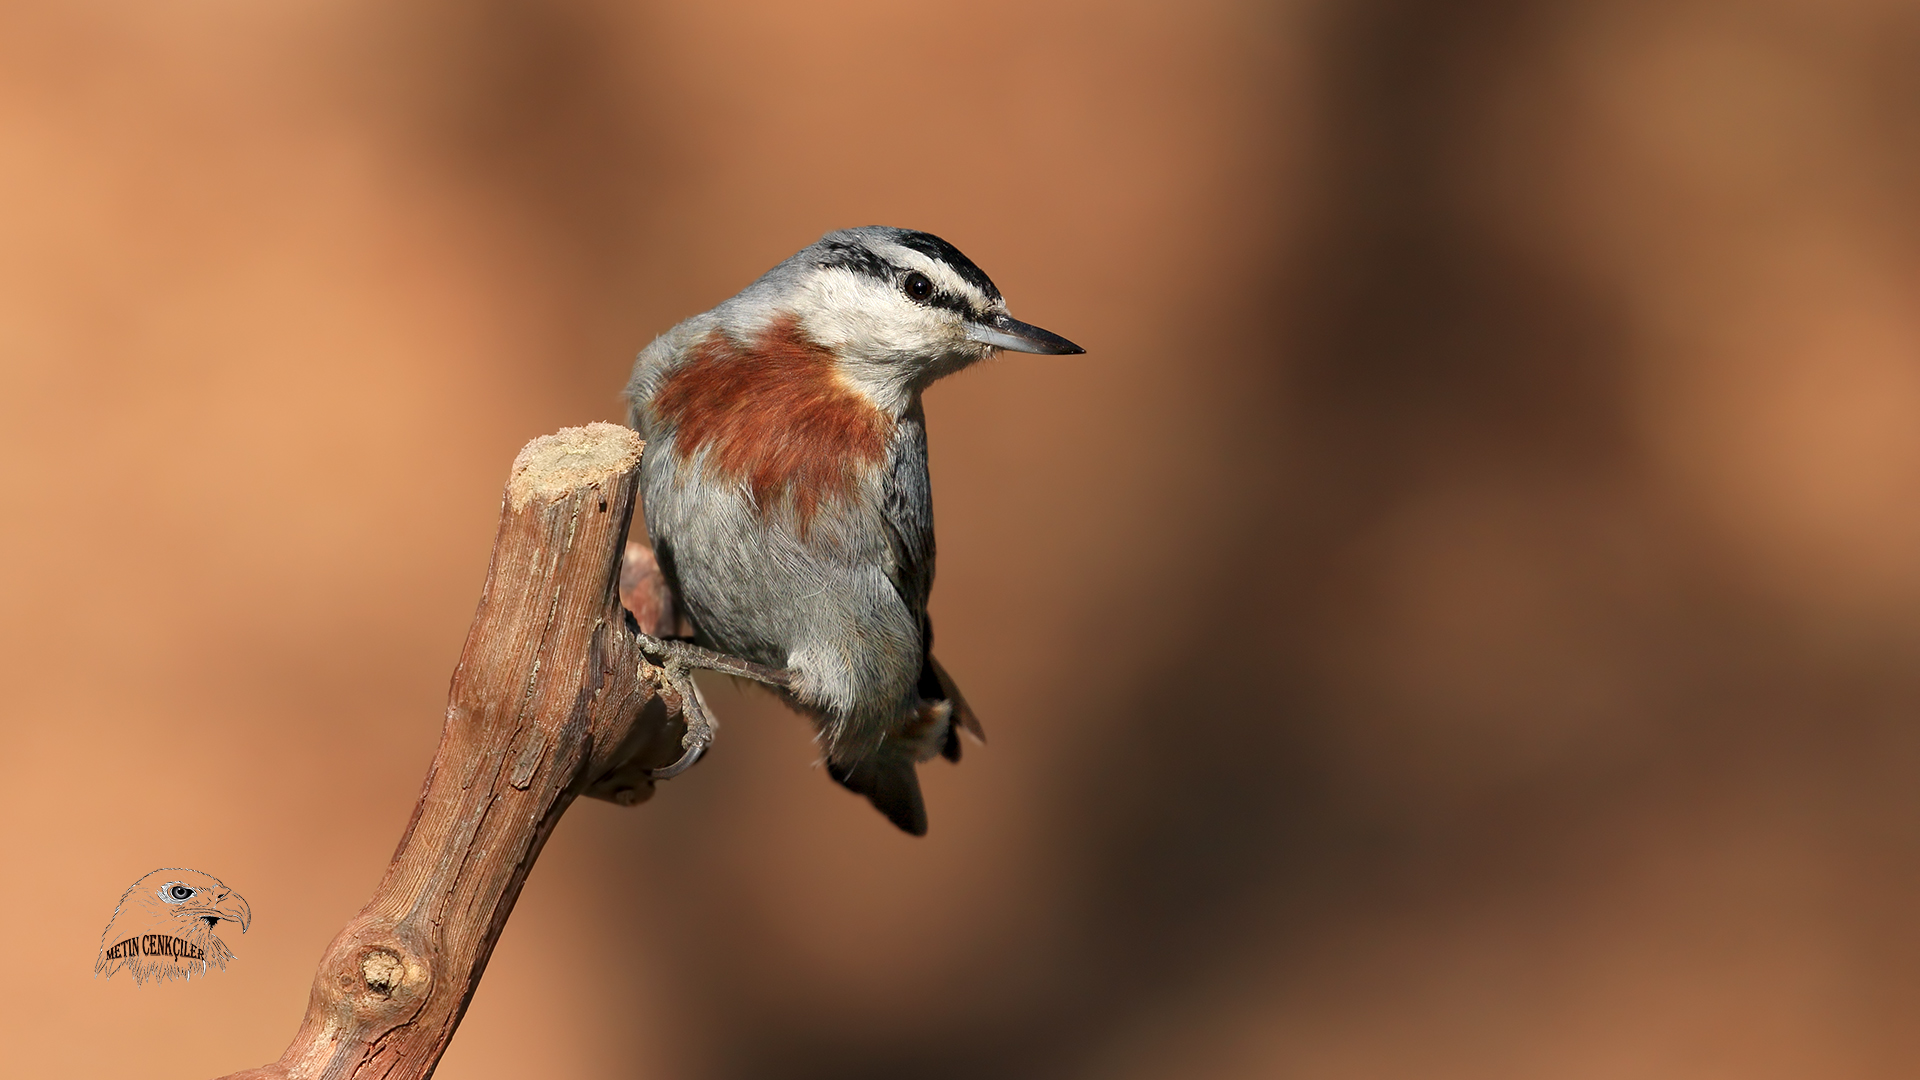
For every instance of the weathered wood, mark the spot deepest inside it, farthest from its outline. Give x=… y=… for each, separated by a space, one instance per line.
x=552 y=699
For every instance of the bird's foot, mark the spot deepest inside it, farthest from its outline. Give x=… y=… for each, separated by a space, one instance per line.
x=676 y=661
x=687 y=655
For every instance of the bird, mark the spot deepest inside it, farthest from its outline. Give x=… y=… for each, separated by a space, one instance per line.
x=163 y=926
x=785 y=489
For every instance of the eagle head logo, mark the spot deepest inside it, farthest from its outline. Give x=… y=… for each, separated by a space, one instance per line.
x=163 y=928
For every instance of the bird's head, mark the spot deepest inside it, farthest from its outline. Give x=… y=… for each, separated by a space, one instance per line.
x=897 y=309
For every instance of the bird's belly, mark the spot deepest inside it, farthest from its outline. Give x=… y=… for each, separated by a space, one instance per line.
x=821 y=603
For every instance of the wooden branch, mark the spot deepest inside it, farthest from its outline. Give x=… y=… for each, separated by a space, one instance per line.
x=552 y=699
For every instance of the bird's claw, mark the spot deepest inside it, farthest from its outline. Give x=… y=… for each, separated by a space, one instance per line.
x=693 y=713
x=694 y=747
x=675 y=675
x=675 y=661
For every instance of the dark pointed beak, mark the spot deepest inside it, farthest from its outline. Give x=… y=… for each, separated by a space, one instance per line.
x=1005 y=332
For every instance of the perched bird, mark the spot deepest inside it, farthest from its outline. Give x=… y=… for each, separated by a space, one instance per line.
x=785 y=486
x=163 y=927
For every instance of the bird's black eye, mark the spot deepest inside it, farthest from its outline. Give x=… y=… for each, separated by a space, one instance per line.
x=918 y=286
x=179 y=893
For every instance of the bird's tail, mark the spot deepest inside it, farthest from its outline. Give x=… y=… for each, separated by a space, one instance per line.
x=938 y=688
x=891 y=782
x=887 y=774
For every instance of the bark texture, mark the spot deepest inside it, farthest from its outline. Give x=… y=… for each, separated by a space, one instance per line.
x=552 y=699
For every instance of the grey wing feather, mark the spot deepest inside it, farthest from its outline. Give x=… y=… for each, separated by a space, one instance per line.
x=908 y=513
x=909 y=518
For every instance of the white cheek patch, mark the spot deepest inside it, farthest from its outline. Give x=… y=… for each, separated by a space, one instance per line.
x=844 y=307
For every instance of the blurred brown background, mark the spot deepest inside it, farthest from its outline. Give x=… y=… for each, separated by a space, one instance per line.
x=1461 y=619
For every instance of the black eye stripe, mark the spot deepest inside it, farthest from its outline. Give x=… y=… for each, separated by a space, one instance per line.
x=854 y=255
x=864 y=262
x=948 y=301
x=940 y=251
